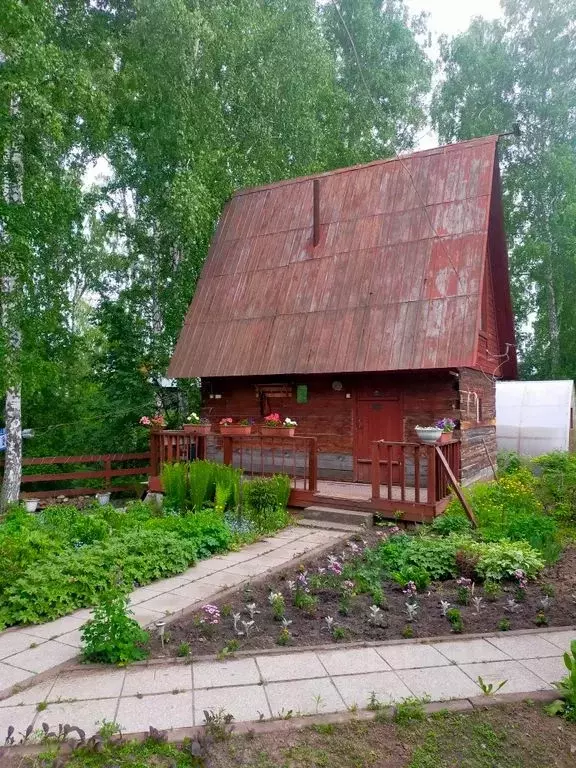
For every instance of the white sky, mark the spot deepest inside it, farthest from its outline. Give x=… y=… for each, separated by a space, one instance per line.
x=452 y=16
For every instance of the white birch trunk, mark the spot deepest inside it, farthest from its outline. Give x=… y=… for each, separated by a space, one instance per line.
x=14 y=194
x=13 y=464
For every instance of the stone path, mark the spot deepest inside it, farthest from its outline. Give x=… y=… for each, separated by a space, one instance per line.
x=266 y=685
x=33 y=650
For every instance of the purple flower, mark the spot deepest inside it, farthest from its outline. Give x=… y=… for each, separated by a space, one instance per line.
x=410 y=589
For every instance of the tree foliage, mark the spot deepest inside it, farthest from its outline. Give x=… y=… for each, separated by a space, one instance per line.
x=181 y=102
x=523 y=69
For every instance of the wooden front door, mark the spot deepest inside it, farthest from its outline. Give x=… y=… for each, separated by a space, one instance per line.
x=377 y=419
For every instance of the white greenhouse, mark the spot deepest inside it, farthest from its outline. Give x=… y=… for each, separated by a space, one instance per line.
x=534 y=417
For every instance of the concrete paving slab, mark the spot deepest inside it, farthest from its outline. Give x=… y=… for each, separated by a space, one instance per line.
x=10 y=675
x=525 y=646
x=14 y=642
x=19 y=717
x=33 y=695
x=440 y=683
x=163 y=711
x=550 y=669
x=217 y=674
x=144 y=616
x=221 y=580
x=353 y=661
x=157 y=679
x=89 y=684
x=44 y=656
x=412 y=656
x=144 y=593
x=88 y=715
x=518 y=678
x=196 y=590
x=291 y=666
x=470 y=651
x=167 y=603
x=304 y=697
x=52 y=629
x=561 y=639
x=73 y=638
x=244 y=702
x=356 y=690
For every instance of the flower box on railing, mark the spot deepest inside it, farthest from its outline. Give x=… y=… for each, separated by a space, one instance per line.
x=197 y=429
x=277 y=431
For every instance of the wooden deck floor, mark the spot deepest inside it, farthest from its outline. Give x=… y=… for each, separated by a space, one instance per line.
x=363 y=491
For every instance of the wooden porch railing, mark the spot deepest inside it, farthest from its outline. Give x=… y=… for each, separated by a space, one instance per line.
x=106 y=471
x=412 y=472
x=254 y=454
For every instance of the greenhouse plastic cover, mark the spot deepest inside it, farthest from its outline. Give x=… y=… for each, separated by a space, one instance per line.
x=534 y=417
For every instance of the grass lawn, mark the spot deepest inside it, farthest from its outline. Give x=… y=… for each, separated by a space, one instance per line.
x=519 y=736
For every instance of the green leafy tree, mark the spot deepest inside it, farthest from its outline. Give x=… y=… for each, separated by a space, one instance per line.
x=522 y=69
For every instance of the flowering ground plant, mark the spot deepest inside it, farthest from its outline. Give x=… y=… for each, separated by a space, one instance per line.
x=153 y=421
x=275 y=420
x=446 y=425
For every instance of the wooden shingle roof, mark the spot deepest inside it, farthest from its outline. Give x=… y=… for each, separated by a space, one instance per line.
x=393 y=284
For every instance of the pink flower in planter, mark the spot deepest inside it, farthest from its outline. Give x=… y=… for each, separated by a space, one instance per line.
x=145 y=421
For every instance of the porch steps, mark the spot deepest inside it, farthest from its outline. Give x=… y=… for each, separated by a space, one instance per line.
x=353 y=517
x=326 y=525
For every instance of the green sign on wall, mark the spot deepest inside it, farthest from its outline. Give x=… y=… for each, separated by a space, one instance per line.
x=302 y=393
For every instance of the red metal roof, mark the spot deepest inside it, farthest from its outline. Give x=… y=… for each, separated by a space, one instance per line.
x=394 y=283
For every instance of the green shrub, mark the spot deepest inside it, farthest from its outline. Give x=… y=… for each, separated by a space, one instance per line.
x=499 y=559
x=434 y=555
x=206 y=528
x=264 y=502
x=556 y=484
x=75 y=579
x=111 y=636
x=509 y=508
x=413 y=573
x=452 y=521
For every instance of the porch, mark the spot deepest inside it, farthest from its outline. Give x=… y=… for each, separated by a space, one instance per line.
x=410 y=478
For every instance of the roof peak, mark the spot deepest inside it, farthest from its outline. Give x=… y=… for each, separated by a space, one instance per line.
x=443 y=148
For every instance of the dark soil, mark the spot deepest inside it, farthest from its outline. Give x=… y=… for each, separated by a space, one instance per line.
x=311 y=629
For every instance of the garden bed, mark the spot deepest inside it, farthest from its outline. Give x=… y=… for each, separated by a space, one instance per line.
x=550 y=597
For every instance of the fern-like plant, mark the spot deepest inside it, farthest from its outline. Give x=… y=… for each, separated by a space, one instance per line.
x=175 y=485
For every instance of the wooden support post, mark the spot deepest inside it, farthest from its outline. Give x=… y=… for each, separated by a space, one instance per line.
x=417 y=474
x=313 y=465
x=155 y=453
x=108 y=470
x=456 y=486
x=227 y=450
x=431 y=454
x=375 y=471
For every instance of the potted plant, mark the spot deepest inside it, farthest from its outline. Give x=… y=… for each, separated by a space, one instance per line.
x=155 y=422
x=197 y=425
x=428 y=435
x=274 y=426
x=447 y=427
x=239 y=428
